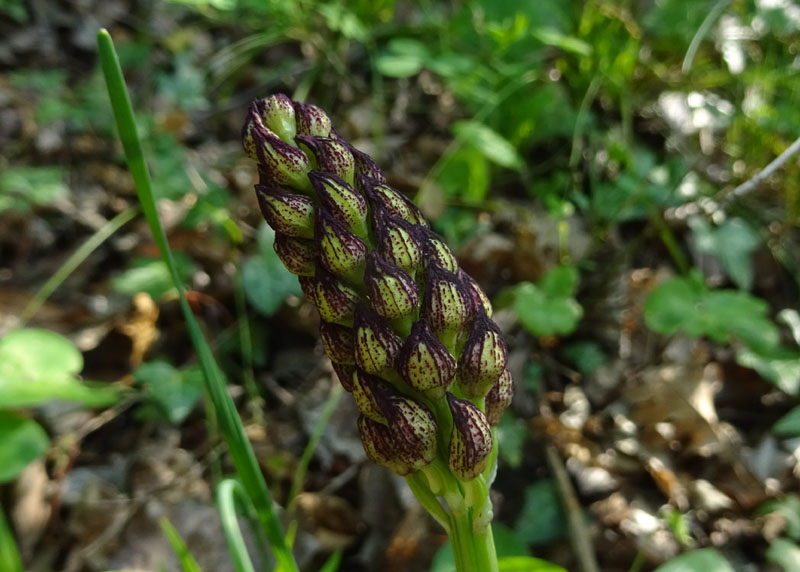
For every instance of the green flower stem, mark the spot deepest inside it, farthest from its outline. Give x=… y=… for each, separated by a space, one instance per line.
x=473 y=551
x=419 y=486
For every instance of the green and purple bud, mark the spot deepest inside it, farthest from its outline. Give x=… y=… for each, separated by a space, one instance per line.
x=470 y=440
x=446 y=305
x=277 y=113
x=380 y=445
x=338 y=342
x=425 y=363
x=381 y=195
x=335 y=301
x=397 y=240
x=392 y=292
x=413 y=427
x=343 y=202
x=365 y=166
x=311 y=120
x=479 y=298
x=340 y=251
x=499 y=398
x=298 y=255
x=376 y=345
x=287 y=213
x=332 y=155
x=345 y=374
x=435 y=251
x=483 y=357
x=370 y=392
x=280 y=163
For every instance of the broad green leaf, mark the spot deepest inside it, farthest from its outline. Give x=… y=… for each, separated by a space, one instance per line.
x=465 y=175
x=494 y=146
x=266 y=281
x=511 y=433
x=39 y=365
x=703 y=560
x=10 y=560
x=781 y=366
x=23 y=187
x=785 y=554
x=151 y=275
x=732 y=243
x=789 y=424
x=527 y=564
x=688 y=304
x=585 y=356
x=548 y=308
x=22 y=441
x=174 y=391
x=542 y=519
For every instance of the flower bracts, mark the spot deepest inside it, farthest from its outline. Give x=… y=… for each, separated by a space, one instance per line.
x=409 y=333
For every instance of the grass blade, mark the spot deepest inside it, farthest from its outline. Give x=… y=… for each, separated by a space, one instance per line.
x=188 y=563
x=241 y=452
x=9 y=555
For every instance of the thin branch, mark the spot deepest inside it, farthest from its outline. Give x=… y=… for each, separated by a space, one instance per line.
x=751 y=184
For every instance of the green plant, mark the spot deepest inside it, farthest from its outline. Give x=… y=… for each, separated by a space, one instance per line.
x=396 y=310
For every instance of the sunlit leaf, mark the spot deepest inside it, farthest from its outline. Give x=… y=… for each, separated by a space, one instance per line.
x=22 y=440
x=703 y=560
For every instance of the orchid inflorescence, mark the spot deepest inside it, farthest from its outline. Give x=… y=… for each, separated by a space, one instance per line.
x=409 y=333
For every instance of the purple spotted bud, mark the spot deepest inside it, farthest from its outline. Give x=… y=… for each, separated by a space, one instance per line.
x=280 y=163
x=277 y=112
x=297 y=254
x=332 y=155
x=413 y=427
x=381 y=195
x=445 y=304
x=499 y=398
x=376 y=345
x=287 y=213
x=479 y=298
x=392 y=292
x=341 y=201
x=397 y=241
x=483 y=358
x=380 y=445
x=340 y=251
x=435 y=251
x=470 y=440
x=345 y=374
x=311 y=120
x=338 y=342
x=365 y=166
x=425 y=363
x=370 y=391
x=335 y=301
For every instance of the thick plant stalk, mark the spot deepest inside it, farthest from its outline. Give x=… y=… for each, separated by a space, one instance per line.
x=410 y=335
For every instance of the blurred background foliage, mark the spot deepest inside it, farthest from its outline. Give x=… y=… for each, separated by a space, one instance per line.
x=578 y=156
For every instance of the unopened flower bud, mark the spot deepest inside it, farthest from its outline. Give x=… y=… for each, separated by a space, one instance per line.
x=470 y=441
x=381 y=195
x=287 y=213
x=499 y=398
x=277 y=112
x=435 y=251
x=425 y=363
x=340 y=251
x=311 y=120
x=297 y=254
x=345 y=374
x=332 y=155
x=479 y=298
x=397 y=240
x=413 y=428
x=380 y=445
x=338 y=342
x=335 y=301
x=483 y=358
x=365 y=166
x=280 y=163
x=369 y=391
x=376 y=344
x=341 y=201
x=445 y=305
x=392 y=292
